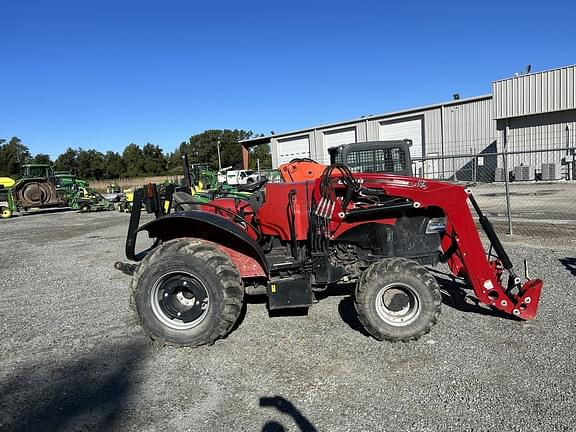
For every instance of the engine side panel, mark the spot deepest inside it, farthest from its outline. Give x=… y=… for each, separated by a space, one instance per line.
x=275 y=215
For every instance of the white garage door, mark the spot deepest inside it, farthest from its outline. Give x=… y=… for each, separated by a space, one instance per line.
x=292 y=148
x=410 y=129
x=336 y=138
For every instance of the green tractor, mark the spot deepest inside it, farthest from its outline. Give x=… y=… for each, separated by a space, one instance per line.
x=37 y=188
x=40 y=186
x=67 y=181
x=202 y=183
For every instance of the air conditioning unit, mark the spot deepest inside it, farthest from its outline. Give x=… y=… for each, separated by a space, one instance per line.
x=523 y=173
x=549 y=171
x=499 y=175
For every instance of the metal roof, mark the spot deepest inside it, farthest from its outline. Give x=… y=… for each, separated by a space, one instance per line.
x=266 y=139
x=536 y=93
x=523 y=75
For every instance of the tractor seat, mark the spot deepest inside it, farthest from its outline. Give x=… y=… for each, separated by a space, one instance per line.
x=183 y=201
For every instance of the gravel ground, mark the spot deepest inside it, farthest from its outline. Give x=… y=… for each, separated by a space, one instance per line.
x=73 y=356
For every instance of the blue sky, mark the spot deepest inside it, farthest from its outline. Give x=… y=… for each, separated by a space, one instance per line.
x=103 y=74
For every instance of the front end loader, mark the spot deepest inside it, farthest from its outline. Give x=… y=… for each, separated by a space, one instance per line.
x=376 y=235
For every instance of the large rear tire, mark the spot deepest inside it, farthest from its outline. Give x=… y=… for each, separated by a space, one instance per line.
x=187 y=293
x=397 y=300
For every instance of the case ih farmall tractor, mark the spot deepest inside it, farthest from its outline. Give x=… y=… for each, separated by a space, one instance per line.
x=322 y=226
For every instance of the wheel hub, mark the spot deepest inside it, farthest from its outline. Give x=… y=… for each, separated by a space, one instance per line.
x=396 y=301
x=180 y=300
x=397 y=304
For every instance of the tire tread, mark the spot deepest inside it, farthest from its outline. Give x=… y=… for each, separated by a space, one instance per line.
x=225 y=271
x=396 y=265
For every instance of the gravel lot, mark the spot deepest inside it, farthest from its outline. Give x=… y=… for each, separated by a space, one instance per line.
x=73 y=356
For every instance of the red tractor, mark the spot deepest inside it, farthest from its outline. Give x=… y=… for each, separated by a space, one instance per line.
x=373 y=232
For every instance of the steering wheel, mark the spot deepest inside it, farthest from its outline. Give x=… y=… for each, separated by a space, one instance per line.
x=252 y=187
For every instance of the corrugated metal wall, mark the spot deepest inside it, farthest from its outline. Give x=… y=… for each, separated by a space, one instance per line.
x=552 y=90
x=539 y=132
x=468 y=128
x=449 y=129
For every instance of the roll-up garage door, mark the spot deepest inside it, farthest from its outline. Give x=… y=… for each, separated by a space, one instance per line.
x=406 y=129
x=335 y=138
x=292 y=148
x=409 y=129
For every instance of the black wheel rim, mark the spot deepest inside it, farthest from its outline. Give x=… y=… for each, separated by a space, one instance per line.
x=180 y=300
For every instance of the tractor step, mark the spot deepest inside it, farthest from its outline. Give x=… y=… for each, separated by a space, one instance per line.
x=294 y=292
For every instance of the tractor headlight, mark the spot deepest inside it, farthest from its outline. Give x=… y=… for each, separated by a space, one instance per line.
x=436 y=225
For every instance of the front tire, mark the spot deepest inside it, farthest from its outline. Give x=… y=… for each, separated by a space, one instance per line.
x=397 y=300
x=187 y=293
x=5 y=212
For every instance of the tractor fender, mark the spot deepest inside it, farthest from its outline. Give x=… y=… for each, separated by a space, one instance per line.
x=246 y=254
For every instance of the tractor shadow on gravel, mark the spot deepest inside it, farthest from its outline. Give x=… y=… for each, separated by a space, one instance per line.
x=262 y=299
x=89 y=393
x=569 y=264
x=457 y=295
x=349 y=316
x=45 y=211
x=346 y=308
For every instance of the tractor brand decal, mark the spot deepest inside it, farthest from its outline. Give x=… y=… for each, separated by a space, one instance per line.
x=421 y=184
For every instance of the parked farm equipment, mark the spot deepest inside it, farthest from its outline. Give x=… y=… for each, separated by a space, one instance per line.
x=290 y=240
x=86 y=200
x=41 y=187
x=37 y=188
x=67 y=181
x=7 y=204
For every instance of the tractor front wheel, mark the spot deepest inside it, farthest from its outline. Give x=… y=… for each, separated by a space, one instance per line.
x=397 y=300
x=187 y=293
x=5 y=212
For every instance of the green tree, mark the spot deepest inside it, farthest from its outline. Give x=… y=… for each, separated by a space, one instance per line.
x=202 y=148
x=114 y=165
x=12 y=155
x=133 y=160
x=41 y=158
x=67 y=161
x=90 y=164
x=154 y=160
x=261 y=152
x=174 y=162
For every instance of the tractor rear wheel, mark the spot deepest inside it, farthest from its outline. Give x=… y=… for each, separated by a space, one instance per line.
x=397 y=300
x=187 y=293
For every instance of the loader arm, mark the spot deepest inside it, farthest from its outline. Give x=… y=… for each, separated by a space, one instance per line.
x=466 y=256
x=461 y=245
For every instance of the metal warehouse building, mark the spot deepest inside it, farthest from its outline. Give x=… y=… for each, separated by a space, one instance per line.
x=524 y=115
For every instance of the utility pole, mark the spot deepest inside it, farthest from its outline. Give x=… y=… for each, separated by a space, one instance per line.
x=506 y=179
x=218 y=150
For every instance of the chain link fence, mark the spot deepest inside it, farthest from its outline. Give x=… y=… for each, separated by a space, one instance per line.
x=526 y=187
